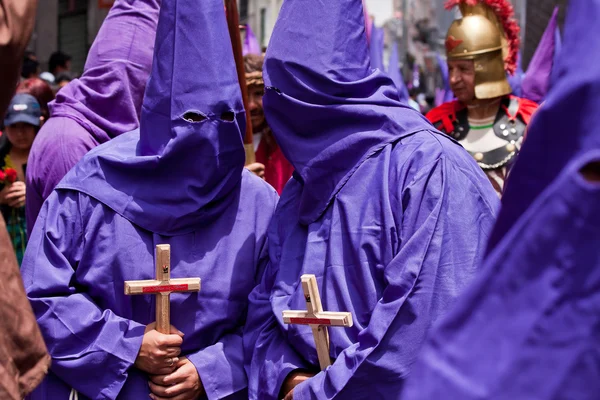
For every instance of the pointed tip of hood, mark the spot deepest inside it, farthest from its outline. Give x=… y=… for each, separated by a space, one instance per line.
x=184 y=165
x=396 y=75
x=536 y=82
x=315 y=42
x=193 y=75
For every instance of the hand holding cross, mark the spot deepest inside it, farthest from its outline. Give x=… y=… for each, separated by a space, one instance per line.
x=317 y=319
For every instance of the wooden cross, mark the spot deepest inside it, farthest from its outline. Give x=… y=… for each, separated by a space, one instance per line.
x=162 y=287
x=317 y=319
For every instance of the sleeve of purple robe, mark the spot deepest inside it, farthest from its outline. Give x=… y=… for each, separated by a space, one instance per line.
x=221 y=367
x=262 y=337
x=84 y=340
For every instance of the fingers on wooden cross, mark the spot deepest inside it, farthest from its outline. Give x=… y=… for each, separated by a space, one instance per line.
x=317 y=319
x=162 y=287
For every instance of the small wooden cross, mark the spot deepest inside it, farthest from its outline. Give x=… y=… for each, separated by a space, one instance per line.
x=317 y=319
x=162 y=287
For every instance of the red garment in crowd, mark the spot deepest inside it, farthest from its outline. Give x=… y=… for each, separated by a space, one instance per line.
x=278 y=169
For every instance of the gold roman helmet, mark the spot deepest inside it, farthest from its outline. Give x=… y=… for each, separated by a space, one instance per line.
x=491 y=43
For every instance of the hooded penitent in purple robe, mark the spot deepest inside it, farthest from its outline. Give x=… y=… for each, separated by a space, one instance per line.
x=104 y=103
x=529 y=326
x=251 y=45
x=390 y=215
x=178 y=180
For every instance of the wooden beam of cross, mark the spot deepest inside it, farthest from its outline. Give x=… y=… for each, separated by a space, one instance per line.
x=162 y=287
x=317 y=319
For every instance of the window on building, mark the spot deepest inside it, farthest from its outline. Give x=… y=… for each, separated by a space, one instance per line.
x=243 y=11
x=263 y=25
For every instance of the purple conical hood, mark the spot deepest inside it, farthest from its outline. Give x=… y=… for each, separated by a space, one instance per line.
x=328 y=109
x=193 y=71
x=251 y=45
x=445 y=94
x=180 y=168
x=566 y=126
x=107 y=99
x=536 y=82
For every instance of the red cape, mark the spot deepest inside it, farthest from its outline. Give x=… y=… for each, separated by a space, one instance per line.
x=278 y=169
x=443 y=116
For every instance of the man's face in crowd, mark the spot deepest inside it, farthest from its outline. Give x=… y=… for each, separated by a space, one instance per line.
x=462 y=79
x=255 y=96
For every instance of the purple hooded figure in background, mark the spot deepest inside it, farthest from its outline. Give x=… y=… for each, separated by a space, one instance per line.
x=376 y=47
x=516 y=80
x=443 y=95
x=536 y=82
x=178 y=180
x=396 y=74
x=104 y=103
x=251 y=45
x=391 y=215
x=529 y=326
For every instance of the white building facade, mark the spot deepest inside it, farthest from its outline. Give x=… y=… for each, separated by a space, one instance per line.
x=72 y=25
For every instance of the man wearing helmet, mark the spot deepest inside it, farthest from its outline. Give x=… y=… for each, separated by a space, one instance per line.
x=485 y=118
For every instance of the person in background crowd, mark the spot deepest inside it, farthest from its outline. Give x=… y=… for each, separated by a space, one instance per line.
x=42 y=92
x=412 y=99
x=276 y=169
x=31 y=66
x=61 y=81
x=22 y=123
x=59 y=64
x=25 y=360
x=486 y=119
x=47 y=77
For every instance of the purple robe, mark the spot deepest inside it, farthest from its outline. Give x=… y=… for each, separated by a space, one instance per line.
x=529 y=326
x=178 y=180
x=390 y=215
x=80 y=254
x=104 y=103
x=251 y=45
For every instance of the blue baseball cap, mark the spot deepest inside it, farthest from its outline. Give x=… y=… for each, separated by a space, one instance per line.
x=23 y=108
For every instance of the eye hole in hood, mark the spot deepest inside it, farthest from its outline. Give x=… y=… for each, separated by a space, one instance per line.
x=193 y=116
x=228 y=116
